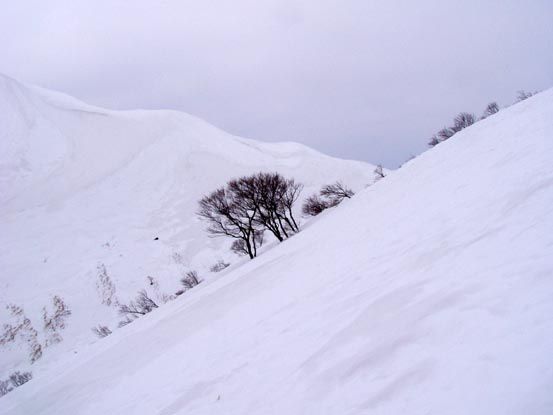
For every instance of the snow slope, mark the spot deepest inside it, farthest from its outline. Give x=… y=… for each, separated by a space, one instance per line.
x=427 y=293
x=82 y=186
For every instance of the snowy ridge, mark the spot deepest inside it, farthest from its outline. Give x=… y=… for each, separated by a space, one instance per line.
x=82 y=186
x=427 y=293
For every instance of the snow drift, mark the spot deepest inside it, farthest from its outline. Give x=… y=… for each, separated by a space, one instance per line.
x=427 y=293
x=82 y=187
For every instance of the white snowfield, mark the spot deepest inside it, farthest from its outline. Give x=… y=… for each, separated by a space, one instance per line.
x=82 y=186
x=430 y=292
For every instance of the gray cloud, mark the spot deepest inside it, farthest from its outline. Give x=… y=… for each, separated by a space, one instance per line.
x=357 y=79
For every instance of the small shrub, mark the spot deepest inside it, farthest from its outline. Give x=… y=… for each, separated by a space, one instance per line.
x=335 y=193
x=140 y=306
x=17 y=378
x=314 y=205
x=434 y=141
x=462 y=121
x=190 y=280
x=5 y=387
x=127 y=320
x=330 y=195
x=101 y=331
x=219 y=266
x=491 y=109
x=522 y=95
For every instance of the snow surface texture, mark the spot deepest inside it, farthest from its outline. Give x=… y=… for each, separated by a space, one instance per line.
x=430 y=292
x=82 y=186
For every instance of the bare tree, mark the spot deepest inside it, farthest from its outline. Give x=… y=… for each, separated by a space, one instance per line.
x=288 y=195
x=462 y=121
x=335 y=193
x=190 y=280
x=228 y=216
x=240 y=248
x=22 y=328
x=101 y=331
x=491 y=109
x=272 y=197
x=56 y=321
x=249 y=205
x=140 y=306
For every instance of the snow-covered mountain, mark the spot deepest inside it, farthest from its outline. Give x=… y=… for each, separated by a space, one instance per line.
x=429 y=292
x=82 y=187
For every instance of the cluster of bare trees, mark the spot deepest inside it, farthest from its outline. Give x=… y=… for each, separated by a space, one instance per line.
x=465 y=119
x=329 y=196
x=248 y=206
x=54 y=321
x=460 y=122
x=22 y=328
x=522 y=95
x=15 y=380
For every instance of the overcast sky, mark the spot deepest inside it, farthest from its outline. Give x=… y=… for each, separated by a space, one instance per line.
x=369 y=80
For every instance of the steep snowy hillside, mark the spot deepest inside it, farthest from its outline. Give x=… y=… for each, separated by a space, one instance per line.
x=83 y=187
x=427 y=293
